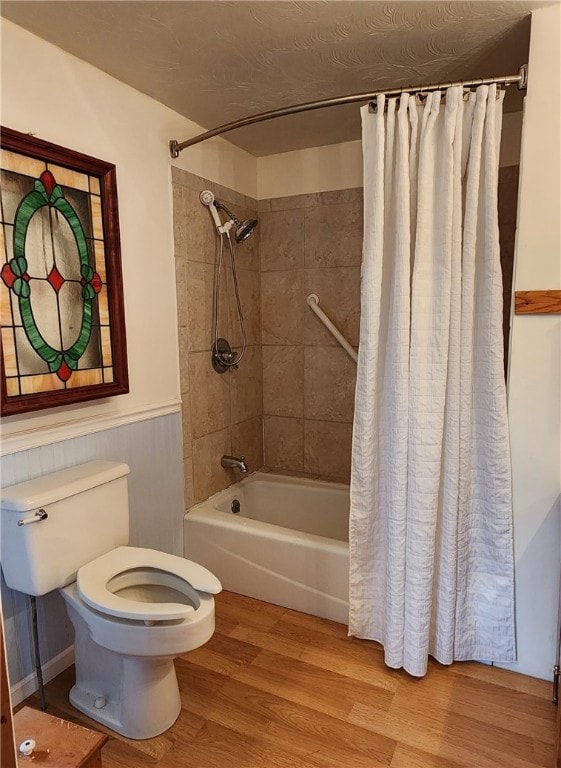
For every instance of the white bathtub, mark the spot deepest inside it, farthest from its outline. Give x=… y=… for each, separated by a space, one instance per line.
x=288 y=545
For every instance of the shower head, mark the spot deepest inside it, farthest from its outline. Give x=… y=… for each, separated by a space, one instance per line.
x=243 y=228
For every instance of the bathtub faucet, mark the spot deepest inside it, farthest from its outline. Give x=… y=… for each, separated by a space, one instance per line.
x=233 y=462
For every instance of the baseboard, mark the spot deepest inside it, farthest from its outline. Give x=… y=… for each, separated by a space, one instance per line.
x=20 y=691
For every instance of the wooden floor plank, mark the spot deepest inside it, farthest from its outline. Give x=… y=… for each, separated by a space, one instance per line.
x=456 y=739
x=359 y=660
x=315 y=624
x=514 y=711
x=504 y=678
x=409 y=757
x=239 y=609
x=302 y=730
x=117 y=754
x=275 y=688
x=220 y=747
x=302 y=683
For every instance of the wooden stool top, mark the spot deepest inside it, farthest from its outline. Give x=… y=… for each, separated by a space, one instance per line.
x=58 y=742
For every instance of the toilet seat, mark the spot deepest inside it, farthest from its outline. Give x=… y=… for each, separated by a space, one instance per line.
x=134 y=563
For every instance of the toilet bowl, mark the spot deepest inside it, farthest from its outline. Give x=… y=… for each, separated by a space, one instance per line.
x=134 y=610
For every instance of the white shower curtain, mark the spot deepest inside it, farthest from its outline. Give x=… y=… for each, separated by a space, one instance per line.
x=431 y=515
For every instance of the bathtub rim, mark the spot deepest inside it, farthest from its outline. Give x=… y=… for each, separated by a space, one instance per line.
x=277 y=479
x=206 y=511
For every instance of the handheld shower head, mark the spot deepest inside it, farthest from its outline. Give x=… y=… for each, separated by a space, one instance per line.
x=207 y=198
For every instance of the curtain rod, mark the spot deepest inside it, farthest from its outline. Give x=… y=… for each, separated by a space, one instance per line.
x=175 y=147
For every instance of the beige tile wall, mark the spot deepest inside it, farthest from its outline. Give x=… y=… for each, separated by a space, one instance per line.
x=309 y=244
x=221 y=413
x=313 y=244
x=290 y=404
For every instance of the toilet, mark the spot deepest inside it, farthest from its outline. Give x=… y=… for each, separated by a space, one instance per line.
x=133 y=609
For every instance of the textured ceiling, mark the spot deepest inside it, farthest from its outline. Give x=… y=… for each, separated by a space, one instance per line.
x=216 y=61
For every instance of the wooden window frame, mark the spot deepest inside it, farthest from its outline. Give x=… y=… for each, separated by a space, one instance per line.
x=33 y=147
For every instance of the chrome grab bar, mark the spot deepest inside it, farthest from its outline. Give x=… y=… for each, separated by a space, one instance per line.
x=313 y=303
x=37 y=517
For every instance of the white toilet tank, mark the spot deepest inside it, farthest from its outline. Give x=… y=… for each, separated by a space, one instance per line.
x=87 y=515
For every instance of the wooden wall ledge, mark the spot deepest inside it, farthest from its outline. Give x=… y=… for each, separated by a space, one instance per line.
x=537 y=302
x=59 y=742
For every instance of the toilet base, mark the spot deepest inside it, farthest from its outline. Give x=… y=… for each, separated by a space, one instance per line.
x=136 y=696
x=118 y=707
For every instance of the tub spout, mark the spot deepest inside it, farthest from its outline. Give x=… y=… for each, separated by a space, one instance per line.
x=233 y=462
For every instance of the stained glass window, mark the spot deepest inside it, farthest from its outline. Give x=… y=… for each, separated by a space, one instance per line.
x=55 y=285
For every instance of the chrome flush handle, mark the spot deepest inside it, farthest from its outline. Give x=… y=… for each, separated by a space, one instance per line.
x=37 y=517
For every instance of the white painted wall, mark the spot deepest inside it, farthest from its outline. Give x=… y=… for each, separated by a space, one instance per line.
x=534 y=380
x=62 y=99
x=317 y=169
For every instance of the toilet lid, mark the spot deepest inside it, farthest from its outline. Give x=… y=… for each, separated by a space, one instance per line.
x=182 y=575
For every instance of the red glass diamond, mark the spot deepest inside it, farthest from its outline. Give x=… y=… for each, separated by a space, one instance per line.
x=55 y=279
x=64 y=372
x=7 y=275
x=48 y=181
x=96 y=282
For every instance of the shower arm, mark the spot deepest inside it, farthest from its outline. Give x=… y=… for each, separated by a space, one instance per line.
x=233 y=219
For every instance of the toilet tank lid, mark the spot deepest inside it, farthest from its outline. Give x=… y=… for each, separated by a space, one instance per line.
x=47 y=489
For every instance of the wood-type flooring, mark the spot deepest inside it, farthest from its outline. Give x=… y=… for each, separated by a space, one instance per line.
x=275 y=688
